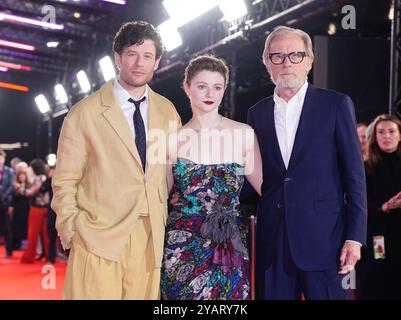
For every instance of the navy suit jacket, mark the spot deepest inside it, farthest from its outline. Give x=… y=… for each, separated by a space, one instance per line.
x=322 y=194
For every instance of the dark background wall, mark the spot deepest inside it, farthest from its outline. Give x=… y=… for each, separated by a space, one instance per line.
x=357 y=67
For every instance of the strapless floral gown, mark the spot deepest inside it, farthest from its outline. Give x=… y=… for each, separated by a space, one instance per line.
x=205 y=253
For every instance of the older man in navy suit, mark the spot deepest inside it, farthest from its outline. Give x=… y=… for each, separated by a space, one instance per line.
x=312 y=213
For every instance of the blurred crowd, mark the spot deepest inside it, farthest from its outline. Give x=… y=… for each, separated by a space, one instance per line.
x=26 y=220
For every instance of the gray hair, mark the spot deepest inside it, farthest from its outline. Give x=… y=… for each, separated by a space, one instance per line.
x=283 y=31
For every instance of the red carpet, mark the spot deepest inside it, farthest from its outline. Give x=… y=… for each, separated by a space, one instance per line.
x=24 y=281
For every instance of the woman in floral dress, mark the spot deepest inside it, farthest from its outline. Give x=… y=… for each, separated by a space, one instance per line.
x=205 y=255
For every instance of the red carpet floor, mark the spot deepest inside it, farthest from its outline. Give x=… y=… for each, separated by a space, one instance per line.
x=27 y=282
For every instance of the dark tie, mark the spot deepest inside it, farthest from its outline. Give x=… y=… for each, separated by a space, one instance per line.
x=140 y=135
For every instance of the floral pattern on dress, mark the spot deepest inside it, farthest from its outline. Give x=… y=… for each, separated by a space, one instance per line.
x=196 y=264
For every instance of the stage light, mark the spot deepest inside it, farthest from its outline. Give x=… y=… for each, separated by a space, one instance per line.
x=332 y=29
x=61 y=95
x=16 y=45
x=14 y=18
x=83 y=81
x=51 y=159
x=170 y=35
x=106 y=65
x=3 y=69
x=42 y=103
x=391 y=13
x=52 y=44
x=233 y=9
x=14 y=66
x=181 y=12
x=13 y=86
x=15 y=145
x=122 y=2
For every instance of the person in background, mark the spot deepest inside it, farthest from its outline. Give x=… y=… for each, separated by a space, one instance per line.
x=6 y=195
x=51 y=219
x=361 y=129
x=20 y=209
x=39 y=204
x=14 y=162
x=22 y=166
x=378 y=274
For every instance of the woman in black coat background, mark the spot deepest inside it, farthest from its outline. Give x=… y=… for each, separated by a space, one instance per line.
x=379 y=272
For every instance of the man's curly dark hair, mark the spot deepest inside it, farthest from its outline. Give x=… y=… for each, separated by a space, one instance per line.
x=136 y=32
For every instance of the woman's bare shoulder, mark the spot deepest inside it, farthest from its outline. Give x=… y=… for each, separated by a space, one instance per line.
x=232 y=124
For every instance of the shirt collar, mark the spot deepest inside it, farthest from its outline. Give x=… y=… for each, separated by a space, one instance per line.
x=123 y=95
x=299 y=97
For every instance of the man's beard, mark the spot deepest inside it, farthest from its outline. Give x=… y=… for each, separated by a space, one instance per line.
x=136 y=83
x=288 y=84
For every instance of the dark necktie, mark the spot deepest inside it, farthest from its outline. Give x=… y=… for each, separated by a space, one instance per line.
x=140 y=134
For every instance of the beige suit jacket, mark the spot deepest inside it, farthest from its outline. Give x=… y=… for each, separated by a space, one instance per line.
x=99 y=185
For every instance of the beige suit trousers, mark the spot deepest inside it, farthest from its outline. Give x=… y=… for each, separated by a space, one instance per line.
x=134 y=277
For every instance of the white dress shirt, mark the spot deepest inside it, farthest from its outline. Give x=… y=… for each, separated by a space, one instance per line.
x=286 y=120
x=128 y=108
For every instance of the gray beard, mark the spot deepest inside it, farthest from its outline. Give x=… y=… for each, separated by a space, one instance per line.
x=293 y=84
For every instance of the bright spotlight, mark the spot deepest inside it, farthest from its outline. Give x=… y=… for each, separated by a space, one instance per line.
x=170 y=35
x=83 y=81
x=391 y=13
x=42 y=103
x=106 y=65
x=52 y=44
x=233 y=9
x=332 y=29
x=51 y=159
x=182 y=12
x=61 y=95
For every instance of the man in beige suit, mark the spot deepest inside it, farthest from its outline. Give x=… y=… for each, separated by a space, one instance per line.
x=110 y=191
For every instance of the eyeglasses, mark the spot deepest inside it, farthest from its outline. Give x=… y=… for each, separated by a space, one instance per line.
x=295 y=57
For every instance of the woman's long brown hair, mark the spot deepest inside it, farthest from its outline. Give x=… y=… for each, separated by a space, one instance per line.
x=374 y=156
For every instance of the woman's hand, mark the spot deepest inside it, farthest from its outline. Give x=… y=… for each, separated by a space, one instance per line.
x=393 y=203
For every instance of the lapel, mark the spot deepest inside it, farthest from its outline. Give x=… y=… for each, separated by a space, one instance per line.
x=275 y=145
x=115 y=117
x=156 y=122
x=304 y=126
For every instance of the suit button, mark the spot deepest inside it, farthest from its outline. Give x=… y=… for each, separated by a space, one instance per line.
x=279 y=205
x=287 y=179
